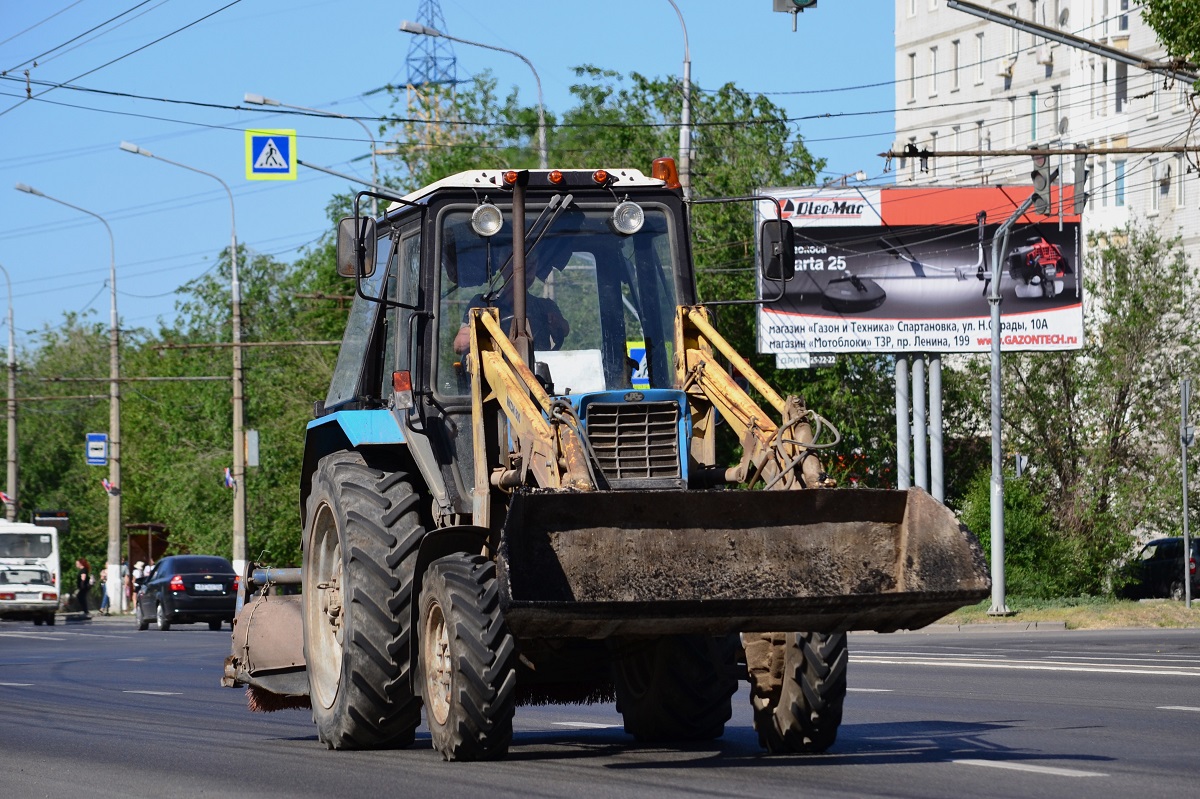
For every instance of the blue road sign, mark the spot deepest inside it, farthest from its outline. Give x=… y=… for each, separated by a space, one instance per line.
x=97 y=449
x=270 y=155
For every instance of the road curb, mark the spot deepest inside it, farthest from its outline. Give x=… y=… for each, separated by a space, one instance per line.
x=995 y=627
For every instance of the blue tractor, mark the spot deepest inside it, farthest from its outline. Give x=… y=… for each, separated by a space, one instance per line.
x=511 y=493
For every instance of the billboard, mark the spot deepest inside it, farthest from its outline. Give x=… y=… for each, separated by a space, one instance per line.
x=895 y=270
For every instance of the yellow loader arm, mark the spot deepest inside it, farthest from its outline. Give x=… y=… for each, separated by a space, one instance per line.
x=781 y=456
x=509 y=403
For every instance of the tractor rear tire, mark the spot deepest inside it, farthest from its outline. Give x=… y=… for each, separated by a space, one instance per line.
x=360 y=549
x=797 y=689
x=468 y=658
x=676 y=688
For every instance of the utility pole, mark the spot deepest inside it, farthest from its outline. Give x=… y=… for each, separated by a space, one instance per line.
x=10 y=511
x=1187 y=434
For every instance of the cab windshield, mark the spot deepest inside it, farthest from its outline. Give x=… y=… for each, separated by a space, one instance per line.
x=600 y=305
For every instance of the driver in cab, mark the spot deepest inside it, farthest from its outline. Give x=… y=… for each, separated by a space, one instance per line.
x=546 y=322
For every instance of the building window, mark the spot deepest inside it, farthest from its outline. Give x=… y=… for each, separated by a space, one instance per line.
x=1156 y=188
x=1012 y=121
x=1123 y=20
x=912 y=77
x=933 y=71
x=1180 y=183
x=1033 y=119
x=1121 y=88
x=1119 y=183
x=1103 y=184
x=1014 y=35
x=955 y=64
x=979 y=62
x=933 y=162
x=912 y=162
x=958 y=162
x=1104 y=88
x=912 y=8
x=979 y=143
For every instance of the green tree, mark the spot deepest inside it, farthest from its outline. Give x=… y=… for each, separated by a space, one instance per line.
x=1038 y=563
x=1178 y=29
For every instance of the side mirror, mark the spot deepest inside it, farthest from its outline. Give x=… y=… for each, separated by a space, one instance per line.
x=777 y=250
x=355 y=242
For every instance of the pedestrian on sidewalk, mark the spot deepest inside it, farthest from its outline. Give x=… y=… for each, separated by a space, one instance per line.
x=83 y=584
x=104 y=601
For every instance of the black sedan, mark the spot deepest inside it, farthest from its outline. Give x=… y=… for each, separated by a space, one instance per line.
x=183 y=589
x=1157 y=571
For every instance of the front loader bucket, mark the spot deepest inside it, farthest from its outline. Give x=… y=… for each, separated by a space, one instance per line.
x=594 y=564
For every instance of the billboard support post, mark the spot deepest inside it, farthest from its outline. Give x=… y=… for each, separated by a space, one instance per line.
x=903 y=427
x=937 y=472
x=920 y=436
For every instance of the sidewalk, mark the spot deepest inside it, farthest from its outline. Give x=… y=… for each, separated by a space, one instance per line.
x=75 y=617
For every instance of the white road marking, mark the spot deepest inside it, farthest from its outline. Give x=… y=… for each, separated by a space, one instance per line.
x=1027 y=665
x=1057 y=772
x=587 y=725
x=1179 y=707
x=871 y=690
x=16 y=684
x=40 y=636
x=155 y=693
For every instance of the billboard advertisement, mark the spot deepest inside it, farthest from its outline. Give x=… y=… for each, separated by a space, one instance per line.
x=895 y=270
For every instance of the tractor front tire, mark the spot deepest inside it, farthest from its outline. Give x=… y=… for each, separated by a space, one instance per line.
x=676 y=688
x=469 y=660
x=360 y=549
x=797 y=689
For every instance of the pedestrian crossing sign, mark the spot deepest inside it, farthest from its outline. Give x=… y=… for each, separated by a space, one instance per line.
x=270 y=155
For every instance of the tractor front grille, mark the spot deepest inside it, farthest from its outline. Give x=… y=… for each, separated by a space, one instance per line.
x=636 y=444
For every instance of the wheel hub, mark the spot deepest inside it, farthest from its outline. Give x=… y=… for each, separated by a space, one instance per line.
x=437 y=665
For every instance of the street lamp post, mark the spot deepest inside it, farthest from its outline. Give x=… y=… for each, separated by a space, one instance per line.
x=113 y=586
x=10 y=511
x=424 y=30
x=239 y=432
x=685 y=118
x=258 y=99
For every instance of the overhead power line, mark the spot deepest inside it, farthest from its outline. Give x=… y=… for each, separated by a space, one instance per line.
x=122 y=57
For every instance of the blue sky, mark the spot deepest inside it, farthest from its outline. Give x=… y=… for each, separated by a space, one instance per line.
x=169 y=224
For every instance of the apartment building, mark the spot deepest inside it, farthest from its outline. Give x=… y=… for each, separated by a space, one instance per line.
x=964 y=84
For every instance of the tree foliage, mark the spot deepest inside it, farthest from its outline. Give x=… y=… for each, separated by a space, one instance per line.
x=1039 y=563
x=1178 y=28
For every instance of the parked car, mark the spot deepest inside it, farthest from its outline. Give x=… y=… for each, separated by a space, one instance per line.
x=1157 y=571
x=183 y=589
x=27 y=592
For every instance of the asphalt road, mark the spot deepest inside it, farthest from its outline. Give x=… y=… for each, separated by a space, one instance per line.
x=98 y=709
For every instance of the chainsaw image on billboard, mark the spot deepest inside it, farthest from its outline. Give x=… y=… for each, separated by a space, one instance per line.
x=909 y=270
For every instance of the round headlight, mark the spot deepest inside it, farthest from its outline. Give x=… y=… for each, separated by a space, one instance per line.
x=486 y=220
x=628 y=218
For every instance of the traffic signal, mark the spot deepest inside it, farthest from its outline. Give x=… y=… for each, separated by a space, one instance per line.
x=1081 y=176
x=1043 y=178
x=792 y=6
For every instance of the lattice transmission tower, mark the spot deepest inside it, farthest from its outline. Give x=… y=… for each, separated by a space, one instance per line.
x=432 y=76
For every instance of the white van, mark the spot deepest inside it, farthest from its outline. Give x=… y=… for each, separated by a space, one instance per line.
x=30 y=577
